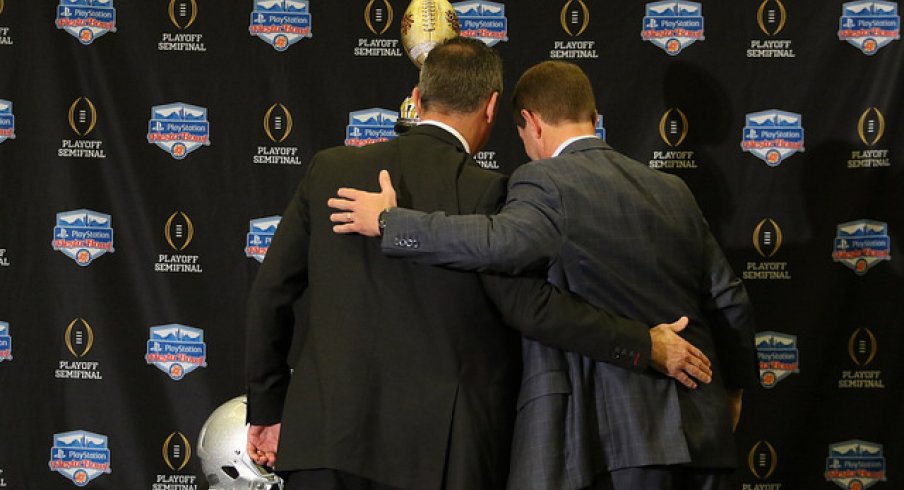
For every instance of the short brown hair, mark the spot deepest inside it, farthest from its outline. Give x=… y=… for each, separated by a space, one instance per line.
x=459 y=74
x=556 y=90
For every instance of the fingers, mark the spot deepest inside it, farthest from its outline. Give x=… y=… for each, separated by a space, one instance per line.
x=347 y=217
x=345 y=229
x=349 y=193
x=698 y=354
x=341 y=204
x=385 y=182
x=685 y=380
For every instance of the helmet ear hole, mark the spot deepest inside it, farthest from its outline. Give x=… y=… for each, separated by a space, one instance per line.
x=230 y=471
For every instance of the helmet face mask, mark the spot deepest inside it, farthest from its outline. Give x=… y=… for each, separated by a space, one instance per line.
x=221 y=447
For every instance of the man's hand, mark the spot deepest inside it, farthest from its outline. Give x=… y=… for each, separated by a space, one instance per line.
x=262 y=443
x=362 y=209
x=734 y=406
x=676 y=357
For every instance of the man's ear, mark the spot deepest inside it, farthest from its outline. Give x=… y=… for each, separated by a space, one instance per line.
x=492 y=106
x=532 y=123
x=416 y=98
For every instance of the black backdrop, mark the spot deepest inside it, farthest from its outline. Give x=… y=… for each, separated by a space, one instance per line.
x=78 y=336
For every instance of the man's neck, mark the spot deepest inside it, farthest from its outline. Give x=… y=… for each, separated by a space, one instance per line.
x=467 y=125
x=554 y=136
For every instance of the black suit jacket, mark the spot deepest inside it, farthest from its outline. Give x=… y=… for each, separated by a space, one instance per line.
x=629 y=239
x=407 y=375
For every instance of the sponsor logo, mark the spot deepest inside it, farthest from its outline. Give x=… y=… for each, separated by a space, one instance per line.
x=3 y=482
x=4 y=260
x=7 y=121
x=378 y=17
x=862 y=244
x=179 y=231
x=176 y=349
x=177 y=453
x=600 y=129
x=278 y=125
x=86 y=20
x=79 y=339
x=179 y=128
x=870 y=129
x=862 y=349
x=673 y=25
x=855 y=464
x=82 y=118
x=5 y=40
x=80 y=456
x=281 y=23
x=767 y=241
x=487 y=159
x=575 y=17
x=773 y=135
x=673 y=129
x=83 y=235
x=182 y=14
x=771 y=17
x=6 y=343
x=370 y=126
x=483 y=20
x=260 y=234
x=778 y=357
x=869 y=25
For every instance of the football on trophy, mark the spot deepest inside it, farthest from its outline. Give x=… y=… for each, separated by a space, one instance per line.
x=425 y=24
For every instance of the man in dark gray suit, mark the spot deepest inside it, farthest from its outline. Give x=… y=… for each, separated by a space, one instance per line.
x=626 y=238
x=407 y=376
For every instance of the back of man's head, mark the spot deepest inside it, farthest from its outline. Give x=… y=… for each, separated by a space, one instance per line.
x=558 y=91
x=459 y=75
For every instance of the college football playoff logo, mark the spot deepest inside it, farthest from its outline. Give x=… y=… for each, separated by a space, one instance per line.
x=378 y=16
x=79 y=337
x=82 y=116
x=176 y=451
x=277 y=123
x=673 y=127
x=767 y=238
x=762 y=460
x=179 y=231
x=182 y=13
x=771 y=17
x=862 y=347
x=871 y=126
x=575 y=17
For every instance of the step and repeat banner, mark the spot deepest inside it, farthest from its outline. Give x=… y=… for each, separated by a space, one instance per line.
x=148 y=148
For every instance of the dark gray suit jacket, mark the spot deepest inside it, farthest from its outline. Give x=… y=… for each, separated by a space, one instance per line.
x=628 y=239
x=407 y=374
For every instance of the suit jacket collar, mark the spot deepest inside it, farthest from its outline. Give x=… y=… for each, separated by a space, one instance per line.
x=585 y=144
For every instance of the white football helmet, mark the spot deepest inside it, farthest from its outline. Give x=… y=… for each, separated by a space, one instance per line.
x=221 y=447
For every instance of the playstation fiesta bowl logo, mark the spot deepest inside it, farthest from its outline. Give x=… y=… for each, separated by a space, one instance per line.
x=83 y=235
x=86 y=20
x=862 y=244
x=179 y=128
x=773 y=135
x=855 y=465
x=6 y=343
x=673 y=25
x=176 y=349
x=7 y=121
x=370 y=126
x=778 y=357
x=80 y=456
x=260 y=234
x=281 y=23
x=482 y=20
x=869 y=25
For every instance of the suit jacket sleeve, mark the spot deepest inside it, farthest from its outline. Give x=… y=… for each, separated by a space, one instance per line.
x=542 y=312
x=524 y=235
x=281 y=280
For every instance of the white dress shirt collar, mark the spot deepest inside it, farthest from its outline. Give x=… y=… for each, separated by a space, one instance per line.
x=450 y=129
x=569 y=141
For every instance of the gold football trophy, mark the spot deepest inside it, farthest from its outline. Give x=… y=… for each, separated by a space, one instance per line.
x=425 y=24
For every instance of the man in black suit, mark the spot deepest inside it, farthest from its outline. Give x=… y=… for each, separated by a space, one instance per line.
x=407 y=376
x=626 y=238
